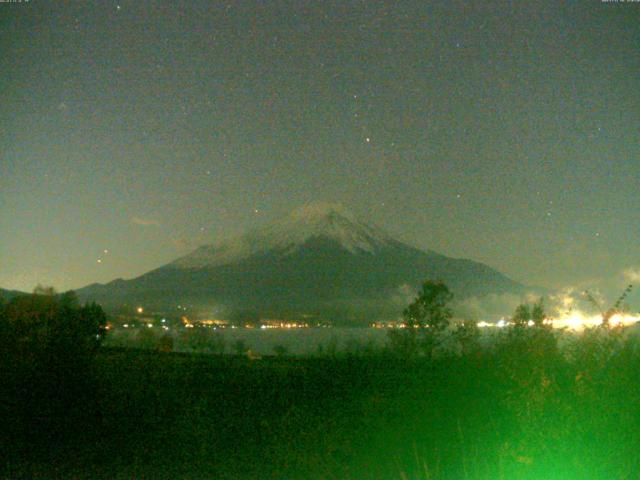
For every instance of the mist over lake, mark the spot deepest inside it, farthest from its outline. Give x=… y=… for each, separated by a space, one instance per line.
x=296 y=341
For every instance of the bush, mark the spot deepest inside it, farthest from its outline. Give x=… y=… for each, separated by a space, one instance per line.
x=49 y=341
x=50 y=328
x=280 y=350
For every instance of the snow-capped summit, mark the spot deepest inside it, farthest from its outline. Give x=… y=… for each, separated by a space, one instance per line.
x=320 y=220
x=320 y=262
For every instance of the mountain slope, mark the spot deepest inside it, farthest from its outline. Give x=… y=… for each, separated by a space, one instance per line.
x=320 y=260
x=9 y=294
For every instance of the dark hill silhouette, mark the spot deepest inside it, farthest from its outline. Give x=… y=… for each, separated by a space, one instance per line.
x=9 y=294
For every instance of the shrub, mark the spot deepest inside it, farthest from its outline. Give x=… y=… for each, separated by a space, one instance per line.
x=49 y=341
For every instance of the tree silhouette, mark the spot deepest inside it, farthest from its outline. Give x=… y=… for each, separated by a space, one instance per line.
x=467 y=334
x=49 y=341
x=522 y=315
x=526 y=313
x=538 y=314
x=429 y=314
x=429 y=309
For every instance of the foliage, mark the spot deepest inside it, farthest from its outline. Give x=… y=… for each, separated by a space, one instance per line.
x=165 y=344
x=146 y=337
x=218 y=344
x=330 y=349
x=520 y=408
x=51 y=326
x=522 y=315
x=424 y=320
x=240 y=347
x=532 y=403
x=467 y=334
x=280 y=350
x=49 y=341
x=203 y=340
x=516 y=411
x=403 y=342
x=526 y=313
x=430 y=308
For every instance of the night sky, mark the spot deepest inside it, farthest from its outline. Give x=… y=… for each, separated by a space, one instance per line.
x=132 y=132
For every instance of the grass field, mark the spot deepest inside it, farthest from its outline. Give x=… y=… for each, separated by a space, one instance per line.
x=521 y=410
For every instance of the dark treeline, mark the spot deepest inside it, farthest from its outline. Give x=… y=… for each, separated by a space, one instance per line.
x=520 y=407
x=48 y=343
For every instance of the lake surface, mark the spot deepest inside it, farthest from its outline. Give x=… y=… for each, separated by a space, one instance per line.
x=296 y=341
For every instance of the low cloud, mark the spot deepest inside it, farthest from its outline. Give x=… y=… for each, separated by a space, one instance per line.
x=565 y=301
x=489 y=307
x=145 y=222
x=557 y=304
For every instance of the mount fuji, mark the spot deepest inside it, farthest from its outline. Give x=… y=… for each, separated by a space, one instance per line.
x=319 y=262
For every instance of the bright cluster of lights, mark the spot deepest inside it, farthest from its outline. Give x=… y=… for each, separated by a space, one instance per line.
x=574 y=320
x=283 y=325
x=578 y=320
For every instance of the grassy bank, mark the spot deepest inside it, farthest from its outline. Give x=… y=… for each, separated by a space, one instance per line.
x=522 y=409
